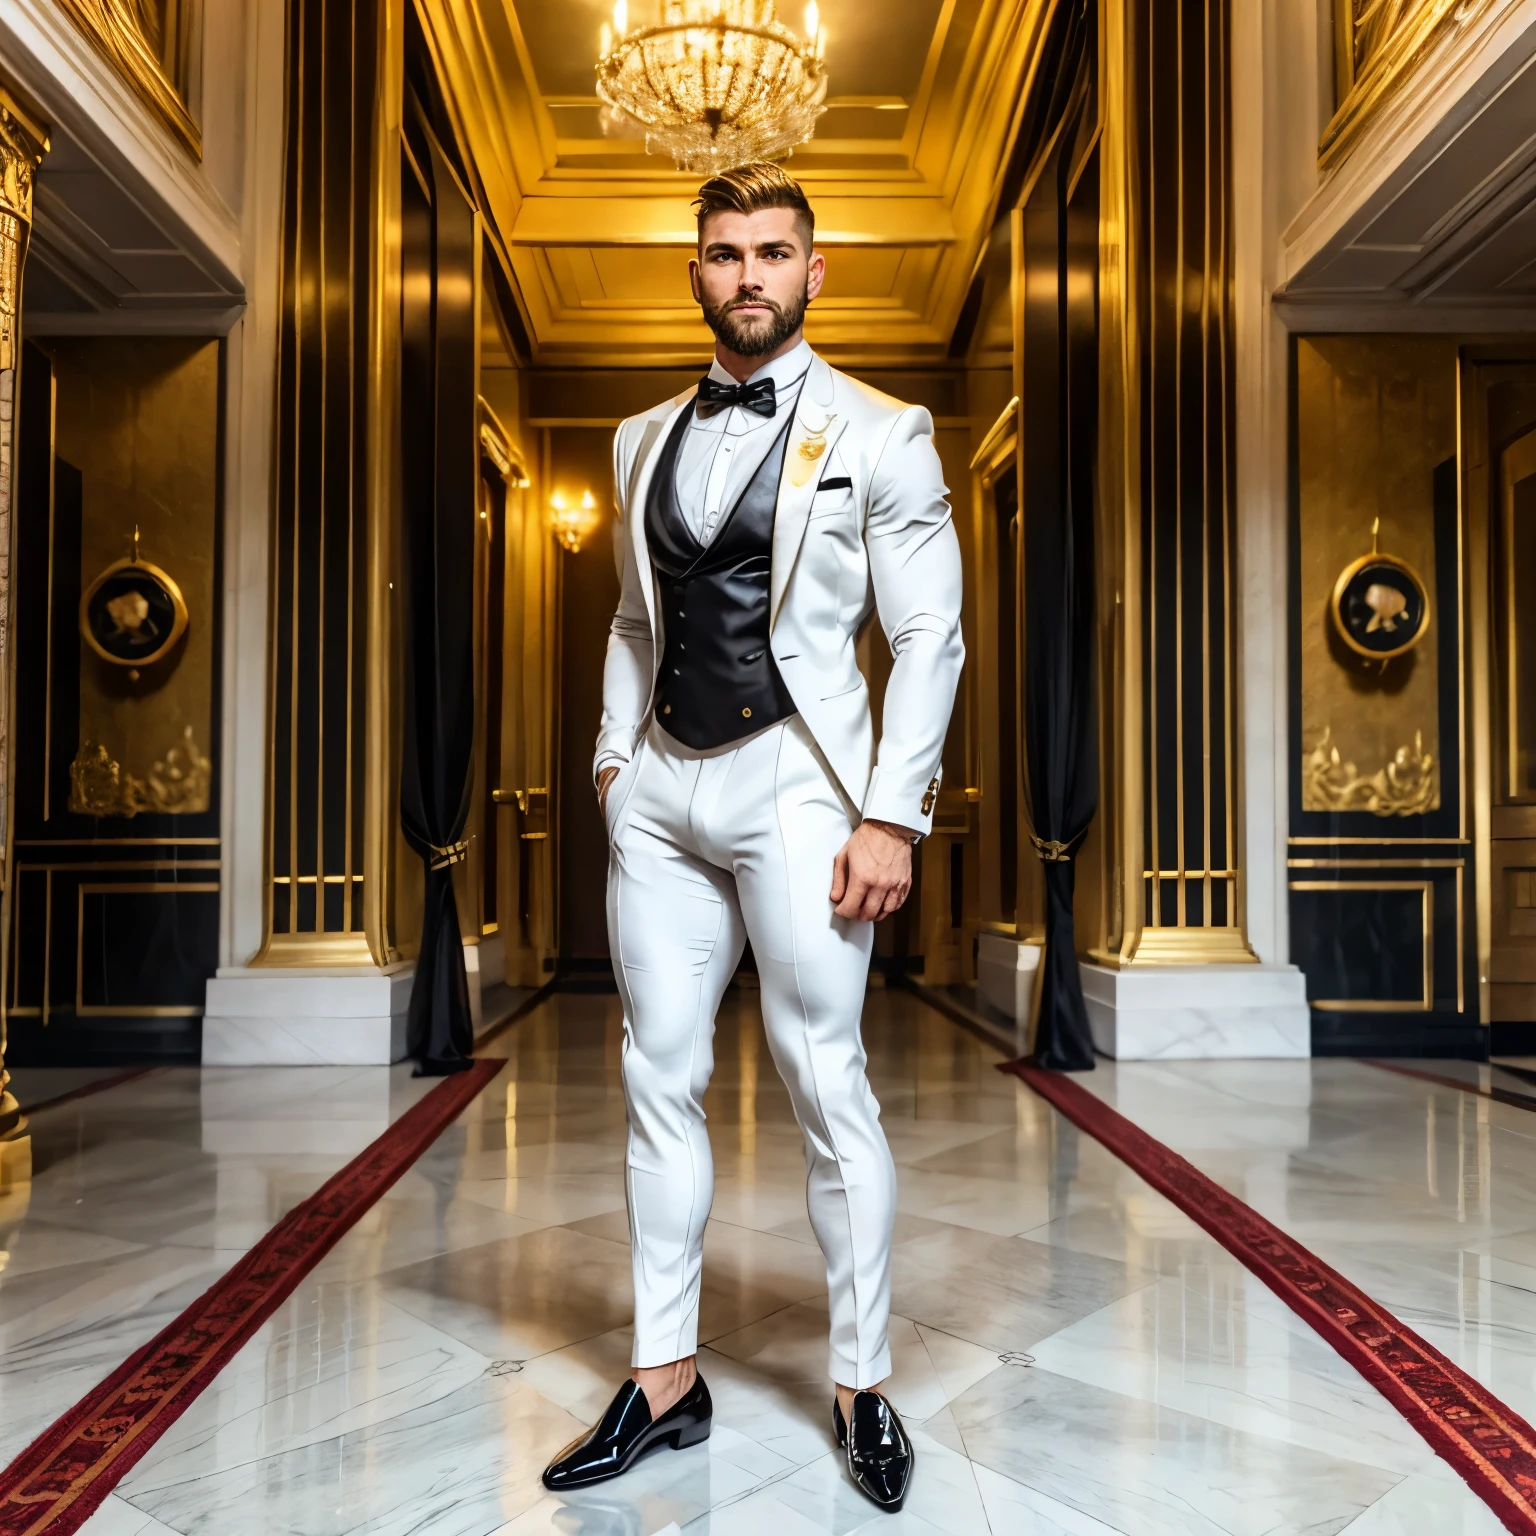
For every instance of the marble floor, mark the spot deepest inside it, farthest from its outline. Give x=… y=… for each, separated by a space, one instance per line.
x=1073 y=1356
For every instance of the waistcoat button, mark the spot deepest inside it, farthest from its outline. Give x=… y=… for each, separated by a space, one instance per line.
x=746 y=714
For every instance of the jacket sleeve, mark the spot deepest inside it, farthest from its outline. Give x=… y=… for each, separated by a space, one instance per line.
x=628 y=670
x=914 y=563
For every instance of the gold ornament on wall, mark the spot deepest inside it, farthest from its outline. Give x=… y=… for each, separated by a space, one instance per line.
x=133 y=614
x=1380 y=605
x=179 y=784
x=1407 y=786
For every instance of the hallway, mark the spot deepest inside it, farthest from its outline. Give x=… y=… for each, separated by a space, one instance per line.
x=1073 y=1354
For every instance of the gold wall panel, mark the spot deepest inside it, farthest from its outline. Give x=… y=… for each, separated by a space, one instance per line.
x=1375 y=416
x=139 y=419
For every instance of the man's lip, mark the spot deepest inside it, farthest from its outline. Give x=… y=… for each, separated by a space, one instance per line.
x=739 y=307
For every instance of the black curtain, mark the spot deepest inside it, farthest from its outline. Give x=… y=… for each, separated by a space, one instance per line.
x=440 y=465
x=1060 y=433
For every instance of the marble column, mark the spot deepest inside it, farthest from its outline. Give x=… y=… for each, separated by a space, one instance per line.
x=328 y=983
x=1174 y=973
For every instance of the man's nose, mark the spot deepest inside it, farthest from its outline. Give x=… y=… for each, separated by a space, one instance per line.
x=751 y=279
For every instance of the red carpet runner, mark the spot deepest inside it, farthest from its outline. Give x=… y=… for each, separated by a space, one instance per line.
x=1493 y=1448
x=56 y=1483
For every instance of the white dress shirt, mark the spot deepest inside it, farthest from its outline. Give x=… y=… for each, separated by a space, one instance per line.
x=723 y=448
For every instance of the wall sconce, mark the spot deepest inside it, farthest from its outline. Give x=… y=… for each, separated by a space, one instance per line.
x=573 y=523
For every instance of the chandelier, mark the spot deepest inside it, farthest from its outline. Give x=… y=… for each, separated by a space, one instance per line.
x=715 y=83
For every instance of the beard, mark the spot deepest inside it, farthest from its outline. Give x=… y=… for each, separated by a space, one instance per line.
x=756 y=337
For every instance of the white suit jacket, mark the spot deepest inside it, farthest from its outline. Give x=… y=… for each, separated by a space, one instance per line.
x=888 y=543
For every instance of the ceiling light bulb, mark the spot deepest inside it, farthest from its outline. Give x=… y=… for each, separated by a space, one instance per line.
x=620 y=17
x=605 y=41
x=588 y=500
x=812 y=20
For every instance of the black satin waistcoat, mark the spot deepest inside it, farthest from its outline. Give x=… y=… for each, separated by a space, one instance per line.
x=718 y=680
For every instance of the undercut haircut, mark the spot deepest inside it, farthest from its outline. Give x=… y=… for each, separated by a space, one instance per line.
x=751 y=188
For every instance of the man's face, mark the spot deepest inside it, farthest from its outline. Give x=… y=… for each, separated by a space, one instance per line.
x=753 y=278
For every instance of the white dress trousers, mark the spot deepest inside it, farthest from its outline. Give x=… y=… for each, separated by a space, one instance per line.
x=708 y=849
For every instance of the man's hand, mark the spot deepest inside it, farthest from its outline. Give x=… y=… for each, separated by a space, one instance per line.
x=872 y=872
x=604 y=784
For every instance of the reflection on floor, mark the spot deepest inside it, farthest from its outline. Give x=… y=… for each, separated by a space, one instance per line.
x=1072 y=1354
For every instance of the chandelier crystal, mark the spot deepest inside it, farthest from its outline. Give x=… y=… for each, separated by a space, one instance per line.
x=715 y=83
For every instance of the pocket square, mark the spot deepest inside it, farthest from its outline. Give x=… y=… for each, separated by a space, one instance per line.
x=836 y=483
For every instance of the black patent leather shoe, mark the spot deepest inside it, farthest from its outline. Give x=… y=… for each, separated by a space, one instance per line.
x=626 y=1432
x=879 y=1453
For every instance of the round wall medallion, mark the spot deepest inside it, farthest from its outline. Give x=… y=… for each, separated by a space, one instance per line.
x=132 y=614
x=1380 y=606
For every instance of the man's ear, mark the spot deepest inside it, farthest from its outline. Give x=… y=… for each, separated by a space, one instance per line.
x=693 y=279
x=815 y=275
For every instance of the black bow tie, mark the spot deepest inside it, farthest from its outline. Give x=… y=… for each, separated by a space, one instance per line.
x=758 y=396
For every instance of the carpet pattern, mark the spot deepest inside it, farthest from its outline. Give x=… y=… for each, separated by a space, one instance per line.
x=1490 y=1445
x=59 y=1480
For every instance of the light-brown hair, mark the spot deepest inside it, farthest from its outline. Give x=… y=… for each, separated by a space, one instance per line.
x=751 y=188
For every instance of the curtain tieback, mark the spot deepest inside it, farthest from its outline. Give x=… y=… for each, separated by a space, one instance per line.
x=452 y=854
x=1051 y=851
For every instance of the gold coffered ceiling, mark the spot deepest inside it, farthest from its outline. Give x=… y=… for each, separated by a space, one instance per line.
x=903 y=172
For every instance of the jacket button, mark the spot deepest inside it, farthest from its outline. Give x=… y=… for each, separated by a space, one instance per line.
x=666 y=709
x=746 y=714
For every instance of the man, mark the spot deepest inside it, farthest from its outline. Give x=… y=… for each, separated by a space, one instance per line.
x=764 y=514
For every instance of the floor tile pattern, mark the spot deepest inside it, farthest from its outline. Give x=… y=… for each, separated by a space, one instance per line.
x=1072 y=1354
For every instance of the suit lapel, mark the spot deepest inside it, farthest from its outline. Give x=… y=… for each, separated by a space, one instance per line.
x=635 y=502
x=816 y=430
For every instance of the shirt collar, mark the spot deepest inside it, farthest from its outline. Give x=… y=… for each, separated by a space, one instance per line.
x=785 y=371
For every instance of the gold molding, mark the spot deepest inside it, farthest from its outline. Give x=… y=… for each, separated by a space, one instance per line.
x=316 y=949
x=997 y=446
x=112 y=27
x=1365 y=84
x=497 y=445
x=1191 y=946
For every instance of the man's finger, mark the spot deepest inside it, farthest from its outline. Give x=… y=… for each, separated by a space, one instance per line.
x=853 y=896
x=839 y=874
x=874 y=901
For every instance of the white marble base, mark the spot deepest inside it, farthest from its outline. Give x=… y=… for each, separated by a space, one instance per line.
x=1005 y=974
x=348 y=1016
x=1198 y=1012
x=485 y=965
